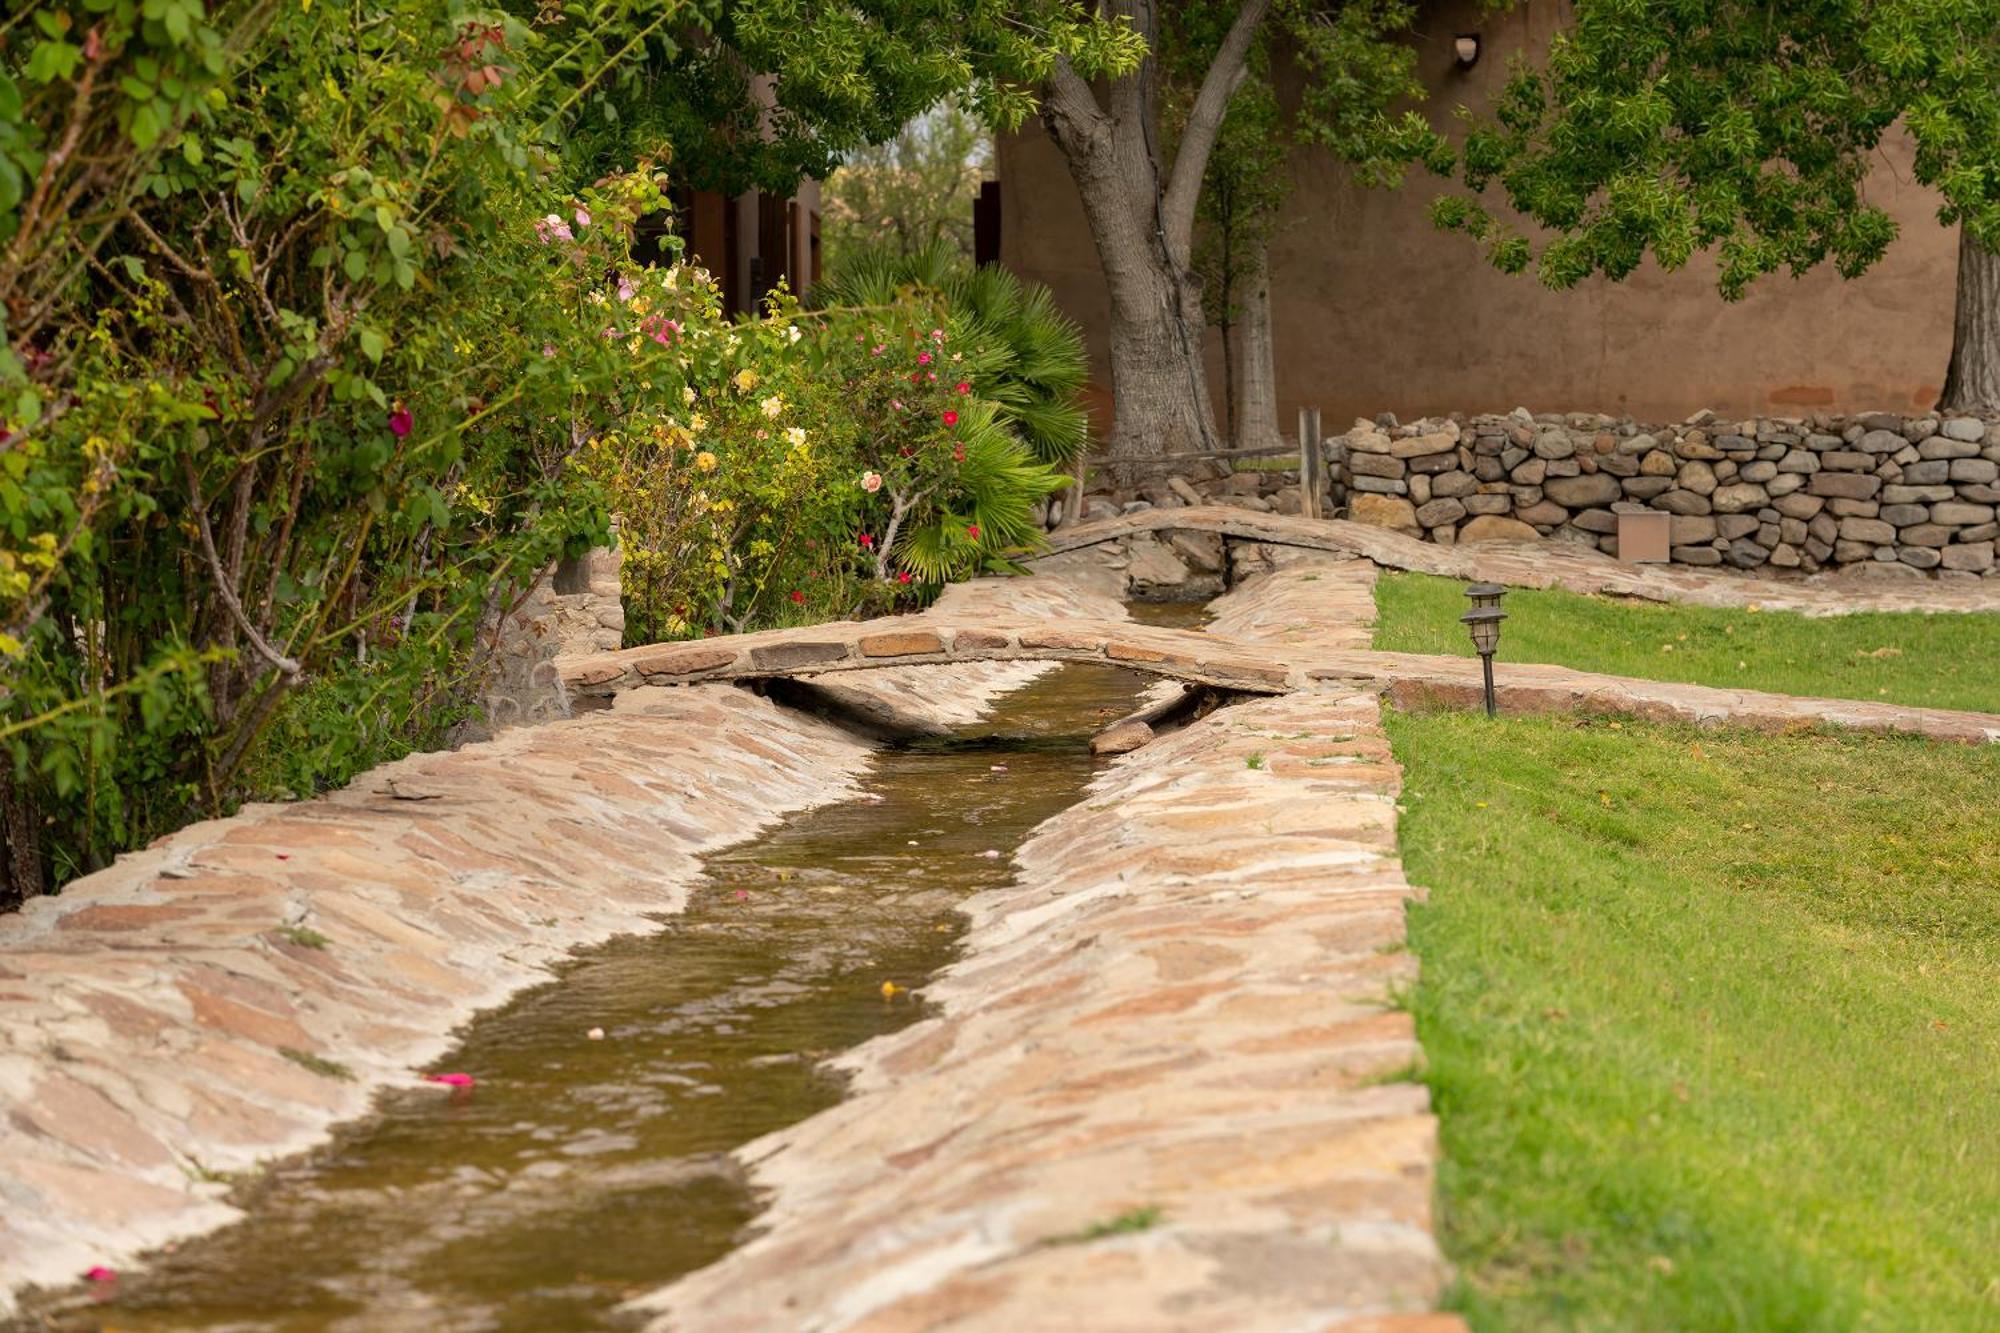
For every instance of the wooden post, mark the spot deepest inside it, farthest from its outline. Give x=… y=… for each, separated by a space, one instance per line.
x=1312 y=463
x=1072 y=512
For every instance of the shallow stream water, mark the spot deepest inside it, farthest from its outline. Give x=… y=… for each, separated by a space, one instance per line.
x=578 y=1172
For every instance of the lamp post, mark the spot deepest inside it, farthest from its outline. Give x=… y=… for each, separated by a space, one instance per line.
x=1483 y=620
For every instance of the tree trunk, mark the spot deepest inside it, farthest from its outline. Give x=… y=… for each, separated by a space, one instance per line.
x=20 y=842
x=1159 y=383
x=1972 y=384
x=1142 y=221
x=1254 y=422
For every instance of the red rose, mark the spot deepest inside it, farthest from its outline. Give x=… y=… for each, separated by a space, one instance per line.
x=950 y=417
x=903 y=577
x=963 y=387
x=972 y=531
x=400 y=421
x=798 y=596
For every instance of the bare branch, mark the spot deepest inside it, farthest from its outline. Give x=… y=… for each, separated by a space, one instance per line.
x=286 y=666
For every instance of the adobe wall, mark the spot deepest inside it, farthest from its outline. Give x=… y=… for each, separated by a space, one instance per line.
x=1374 y=308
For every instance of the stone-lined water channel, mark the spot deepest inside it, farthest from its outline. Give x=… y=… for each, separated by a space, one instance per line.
x=578 y=1171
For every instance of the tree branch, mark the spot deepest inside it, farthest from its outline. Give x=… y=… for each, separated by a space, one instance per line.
x=286 y=666
x=1070 y=109
x=1204 y=122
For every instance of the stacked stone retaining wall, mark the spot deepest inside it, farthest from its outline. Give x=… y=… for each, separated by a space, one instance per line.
x=1801 y=494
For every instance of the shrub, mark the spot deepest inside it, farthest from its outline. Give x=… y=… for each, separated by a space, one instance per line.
x=276 y=431
x=791 y=467
x=1025 y=355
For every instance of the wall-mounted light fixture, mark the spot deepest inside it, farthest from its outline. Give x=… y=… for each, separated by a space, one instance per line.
x=1466 y=47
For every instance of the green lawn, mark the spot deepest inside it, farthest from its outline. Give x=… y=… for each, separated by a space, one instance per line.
x=1711 y=1021
x=1943 y=661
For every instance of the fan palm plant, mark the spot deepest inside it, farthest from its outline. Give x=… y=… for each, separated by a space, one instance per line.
x=1025 y=355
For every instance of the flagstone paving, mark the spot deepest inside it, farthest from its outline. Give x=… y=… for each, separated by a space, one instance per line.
x=221 y=999
x=1161 y=1089
x=1167 y=1087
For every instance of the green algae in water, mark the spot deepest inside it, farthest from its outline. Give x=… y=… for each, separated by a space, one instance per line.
x=578 y=1173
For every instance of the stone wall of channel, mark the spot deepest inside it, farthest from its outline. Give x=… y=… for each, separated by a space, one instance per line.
x=1801 y=494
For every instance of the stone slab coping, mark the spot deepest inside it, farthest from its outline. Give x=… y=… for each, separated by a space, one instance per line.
x=929 y=638
x=1533 y=688
x=1547 y=565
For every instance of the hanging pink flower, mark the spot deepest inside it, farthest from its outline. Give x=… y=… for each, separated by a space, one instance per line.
x=950 y=417
x=937 y=335
x=962 y=387
x=871 y=482
x=923 y=358
x=450 y=1080
x=626 y=291
x=400 y=421
x=99 y=1273
x=582 y=216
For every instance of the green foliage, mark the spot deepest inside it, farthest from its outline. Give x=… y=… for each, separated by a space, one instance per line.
x=1933 y=661
x=1746 y=129
x=265 y=460
x=1025 y=355
x=840 y=76
x=304 y=336
x=1705 y=1019
x=793 y=468
x=911 y=193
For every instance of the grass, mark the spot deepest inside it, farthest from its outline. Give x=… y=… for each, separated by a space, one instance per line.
x=1709 y=1020
x=1125 y=1224
x=1939 y=661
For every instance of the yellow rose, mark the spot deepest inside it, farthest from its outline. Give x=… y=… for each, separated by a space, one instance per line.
x=705 y=461
x=746 y=380
x=797 y=436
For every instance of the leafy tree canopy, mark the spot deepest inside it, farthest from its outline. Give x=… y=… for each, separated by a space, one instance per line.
x=763 y=92
x=1747 y=128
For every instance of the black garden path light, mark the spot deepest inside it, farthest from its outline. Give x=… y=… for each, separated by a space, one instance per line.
x=1483 y=620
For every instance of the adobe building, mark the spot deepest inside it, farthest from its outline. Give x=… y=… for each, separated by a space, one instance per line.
x=1376 y=310
x=752 y=241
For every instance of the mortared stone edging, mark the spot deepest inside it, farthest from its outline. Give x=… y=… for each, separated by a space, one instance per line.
x=224 y=997
x=1166 y=1085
